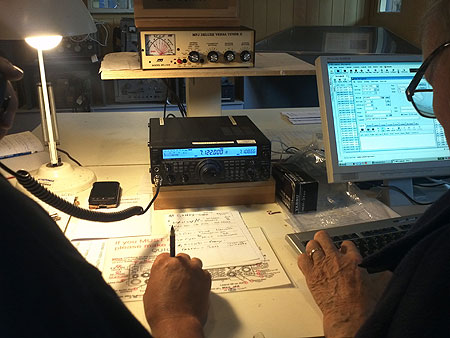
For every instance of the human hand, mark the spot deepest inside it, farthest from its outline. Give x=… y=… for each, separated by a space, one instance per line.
x=342 y=290
x=9 y=72
x=176 y=300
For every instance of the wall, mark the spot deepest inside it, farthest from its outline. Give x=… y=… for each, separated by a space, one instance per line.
x=270 y=16
x=405 y=24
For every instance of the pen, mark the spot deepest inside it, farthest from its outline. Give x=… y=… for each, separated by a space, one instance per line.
x=16 y=155
x=172 y=242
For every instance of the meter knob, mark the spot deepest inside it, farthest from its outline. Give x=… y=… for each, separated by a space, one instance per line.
x=246 y=56
x=194 y=56
x=229 y=56
x=208 y=171
x=213 y=56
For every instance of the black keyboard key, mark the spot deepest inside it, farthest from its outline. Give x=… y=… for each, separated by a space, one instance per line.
x=371 y=244
x=406 y=226
x=379 y=231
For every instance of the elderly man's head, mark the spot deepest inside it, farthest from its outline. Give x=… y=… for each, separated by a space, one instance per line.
x=11 y=73
x=435 y=32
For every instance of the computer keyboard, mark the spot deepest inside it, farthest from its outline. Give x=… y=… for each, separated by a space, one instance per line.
x=368 y=237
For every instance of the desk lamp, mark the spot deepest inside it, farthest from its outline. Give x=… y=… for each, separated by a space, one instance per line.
x=42 y=24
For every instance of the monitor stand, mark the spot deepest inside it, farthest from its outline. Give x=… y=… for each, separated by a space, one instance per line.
x=392 y=197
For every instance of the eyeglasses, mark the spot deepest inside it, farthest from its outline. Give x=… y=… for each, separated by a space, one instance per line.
x=419 y=91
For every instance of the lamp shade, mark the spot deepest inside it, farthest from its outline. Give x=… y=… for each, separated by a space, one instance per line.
x=29 y=18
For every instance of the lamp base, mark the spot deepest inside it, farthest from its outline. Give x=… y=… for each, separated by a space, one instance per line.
x=65 y=178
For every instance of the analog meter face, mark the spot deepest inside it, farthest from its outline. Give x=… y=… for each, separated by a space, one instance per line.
x=159 y=44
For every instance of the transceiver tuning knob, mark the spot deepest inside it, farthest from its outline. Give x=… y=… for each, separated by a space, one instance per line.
x=208 y=170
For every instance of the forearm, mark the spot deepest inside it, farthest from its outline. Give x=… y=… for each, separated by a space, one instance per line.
x=178 y=328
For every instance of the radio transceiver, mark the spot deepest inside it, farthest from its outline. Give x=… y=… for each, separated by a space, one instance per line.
x=198 y=150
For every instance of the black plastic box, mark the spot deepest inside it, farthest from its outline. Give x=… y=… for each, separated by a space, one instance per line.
x=296 y=189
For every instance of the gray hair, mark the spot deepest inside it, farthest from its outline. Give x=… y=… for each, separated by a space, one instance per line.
x=437 y=13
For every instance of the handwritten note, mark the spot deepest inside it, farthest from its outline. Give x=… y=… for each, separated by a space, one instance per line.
x=217 y=237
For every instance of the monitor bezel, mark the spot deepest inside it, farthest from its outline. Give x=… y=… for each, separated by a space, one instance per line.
x=336 y=173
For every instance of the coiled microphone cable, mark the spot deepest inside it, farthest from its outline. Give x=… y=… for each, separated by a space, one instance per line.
x=35 y=188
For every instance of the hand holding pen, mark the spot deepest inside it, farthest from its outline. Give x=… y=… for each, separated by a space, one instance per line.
x=177 y=296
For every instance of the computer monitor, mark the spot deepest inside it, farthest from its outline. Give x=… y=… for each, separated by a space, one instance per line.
x=370 y=130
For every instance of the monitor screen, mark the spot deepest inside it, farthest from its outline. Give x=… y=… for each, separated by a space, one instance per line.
x=371 y=131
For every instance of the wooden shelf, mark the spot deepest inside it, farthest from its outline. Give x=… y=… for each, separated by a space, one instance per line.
x=213 y=195
x=266 y=64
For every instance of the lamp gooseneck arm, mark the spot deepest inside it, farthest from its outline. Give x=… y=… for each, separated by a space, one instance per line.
x=51 y=139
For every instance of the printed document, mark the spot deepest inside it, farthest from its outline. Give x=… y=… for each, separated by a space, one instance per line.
x=128 y=262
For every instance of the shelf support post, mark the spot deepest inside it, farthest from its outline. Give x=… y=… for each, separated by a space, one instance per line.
x=204 y=96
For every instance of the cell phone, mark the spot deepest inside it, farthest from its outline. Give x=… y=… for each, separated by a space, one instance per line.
x=104 y=194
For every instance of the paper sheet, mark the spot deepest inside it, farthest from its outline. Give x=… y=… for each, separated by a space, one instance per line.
x=269 y=273
x=302 y=117
x=120 y=61
x=219 y=238
x=133 y=226
x=92 y=250
x=128 y=262
x=20 y=144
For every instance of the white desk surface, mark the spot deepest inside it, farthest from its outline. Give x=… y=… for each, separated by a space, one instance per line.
x=119 y=138
x=283 y=312
x=114 y=145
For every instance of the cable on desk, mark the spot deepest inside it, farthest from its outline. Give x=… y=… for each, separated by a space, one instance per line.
x=430 y=185
x=409 y=198
x=292 y=150
x=35 y=188
x=435 y=183
x=69 y=156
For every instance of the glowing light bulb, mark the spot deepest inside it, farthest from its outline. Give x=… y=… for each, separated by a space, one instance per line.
x=44 y=42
